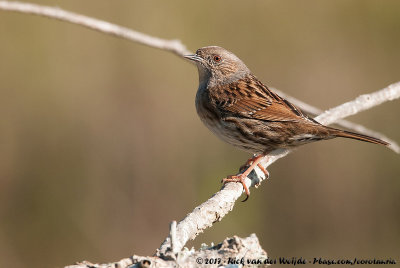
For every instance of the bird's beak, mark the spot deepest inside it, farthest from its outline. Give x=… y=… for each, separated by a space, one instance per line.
x=194 y=57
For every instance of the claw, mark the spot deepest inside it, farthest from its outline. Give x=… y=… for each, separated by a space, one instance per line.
x=264 y=171
x=255 y=161
x=240 y=179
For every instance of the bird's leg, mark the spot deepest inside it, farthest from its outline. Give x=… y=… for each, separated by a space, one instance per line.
x=263 y=170
x=241 y=178
x=251 y=160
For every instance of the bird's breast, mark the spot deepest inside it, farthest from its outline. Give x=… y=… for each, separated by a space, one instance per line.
x=223 y=128
x=207 y=112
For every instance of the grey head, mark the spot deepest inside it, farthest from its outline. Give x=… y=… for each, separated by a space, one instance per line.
x=218 y=66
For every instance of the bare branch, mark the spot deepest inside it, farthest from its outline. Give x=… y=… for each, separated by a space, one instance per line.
x=223 y=201
x=174 y=46
x=362 y=103
x=243 y=250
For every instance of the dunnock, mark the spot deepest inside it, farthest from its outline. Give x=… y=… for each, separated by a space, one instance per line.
x=242 y=111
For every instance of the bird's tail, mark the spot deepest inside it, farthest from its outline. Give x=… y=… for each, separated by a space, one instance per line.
x=351 y=135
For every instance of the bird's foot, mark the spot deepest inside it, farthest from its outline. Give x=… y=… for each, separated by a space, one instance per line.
x=239 y=178
x=264 y=171
x=251 y=161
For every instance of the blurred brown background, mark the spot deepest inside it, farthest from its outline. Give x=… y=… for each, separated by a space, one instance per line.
x=101 y=147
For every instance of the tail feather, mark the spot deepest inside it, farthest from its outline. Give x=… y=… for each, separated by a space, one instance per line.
x=356 y=136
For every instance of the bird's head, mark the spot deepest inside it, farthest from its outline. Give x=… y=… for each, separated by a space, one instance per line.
x=218 y=66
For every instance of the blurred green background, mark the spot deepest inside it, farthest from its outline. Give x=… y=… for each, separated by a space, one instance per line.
x=101 y=147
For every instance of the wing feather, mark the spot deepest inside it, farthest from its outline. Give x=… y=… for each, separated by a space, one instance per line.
x=250 y=98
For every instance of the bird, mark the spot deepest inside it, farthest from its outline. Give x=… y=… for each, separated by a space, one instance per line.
x=238 y=108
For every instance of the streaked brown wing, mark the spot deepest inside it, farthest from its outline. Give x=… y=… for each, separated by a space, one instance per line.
x=250 y=98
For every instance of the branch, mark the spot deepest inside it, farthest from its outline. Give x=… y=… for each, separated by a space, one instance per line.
x=215 y=208
x=362 y=103
x=234 y=248
x=174 y=46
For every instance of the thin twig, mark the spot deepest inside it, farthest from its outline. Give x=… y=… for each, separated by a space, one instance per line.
x=223 y=201
x=361 y=103
x=174 y=46
x=172 y=235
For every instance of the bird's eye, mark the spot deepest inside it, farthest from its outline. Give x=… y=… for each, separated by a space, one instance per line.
x=217 y=58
